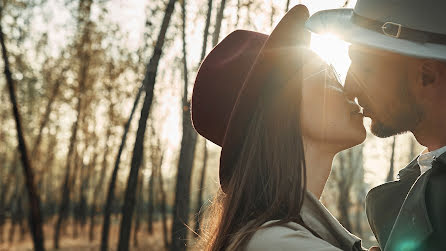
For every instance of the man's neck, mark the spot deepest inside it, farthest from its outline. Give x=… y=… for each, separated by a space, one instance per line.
x=432 y=136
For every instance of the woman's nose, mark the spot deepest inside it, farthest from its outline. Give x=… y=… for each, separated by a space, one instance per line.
x=351 y=85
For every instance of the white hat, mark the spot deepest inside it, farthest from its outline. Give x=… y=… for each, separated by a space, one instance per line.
x=410 y=27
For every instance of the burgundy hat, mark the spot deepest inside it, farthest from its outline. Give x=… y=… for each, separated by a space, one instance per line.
x=241 y=68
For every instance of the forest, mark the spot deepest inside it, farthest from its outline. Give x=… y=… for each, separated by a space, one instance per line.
x=97 y=148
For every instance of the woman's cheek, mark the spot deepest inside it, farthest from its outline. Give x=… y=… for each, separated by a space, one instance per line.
x=338 y=116
x=314 y=120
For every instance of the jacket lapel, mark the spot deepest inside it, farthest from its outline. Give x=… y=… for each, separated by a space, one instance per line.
x=383 y=203
x=412 y=226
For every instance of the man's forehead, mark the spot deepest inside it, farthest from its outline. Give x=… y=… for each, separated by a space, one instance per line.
x=358 y=51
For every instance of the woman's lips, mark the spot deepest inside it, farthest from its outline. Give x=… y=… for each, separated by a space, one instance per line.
x=366 y=113
x=357 y=113
x=357 y=110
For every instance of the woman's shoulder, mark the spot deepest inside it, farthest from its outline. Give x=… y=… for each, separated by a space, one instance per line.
x=287 y=236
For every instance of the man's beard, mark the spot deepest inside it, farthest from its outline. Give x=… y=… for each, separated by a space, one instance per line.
x=404 y=121
x=381 y=130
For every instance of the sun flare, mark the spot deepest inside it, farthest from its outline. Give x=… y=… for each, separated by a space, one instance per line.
x=333 y=50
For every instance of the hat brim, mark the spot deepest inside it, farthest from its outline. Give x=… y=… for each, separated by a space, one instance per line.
x=277 y=61
x=338 y=22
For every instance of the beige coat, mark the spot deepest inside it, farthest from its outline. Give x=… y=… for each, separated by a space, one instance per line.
x=293 y=236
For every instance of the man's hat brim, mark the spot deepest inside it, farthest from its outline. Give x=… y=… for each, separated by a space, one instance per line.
x=339 y=23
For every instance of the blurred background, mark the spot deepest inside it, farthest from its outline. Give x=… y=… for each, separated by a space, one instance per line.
x=100 y=90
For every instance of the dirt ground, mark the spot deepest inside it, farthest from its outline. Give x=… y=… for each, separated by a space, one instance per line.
x=68 y=243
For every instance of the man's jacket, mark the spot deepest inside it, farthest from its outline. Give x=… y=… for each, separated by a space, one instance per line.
x=410 y=213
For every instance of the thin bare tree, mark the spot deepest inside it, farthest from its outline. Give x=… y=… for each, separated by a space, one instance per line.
x=102 y=173
x=203 y=170
x=162 y=201
x=287 y=6
x=199 y=209
x=111 y=186
x=206 y=31
x=149 y=84
x=391 y=173
x=218 y=21
x=344 y=175
x=151 y=200
x=35 y=219
x=83 y=74
x=5 y=188
x=185 y=163
x=412 y=147
x=139 y=203
x=46 y=115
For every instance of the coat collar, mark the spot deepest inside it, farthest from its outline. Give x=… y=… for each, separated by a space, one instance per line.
x=412 y=170
x=321 y=221
x=413 y=225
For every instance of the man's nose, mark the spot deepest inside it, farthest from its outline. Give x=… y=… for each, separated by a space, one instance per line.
x=351 y=85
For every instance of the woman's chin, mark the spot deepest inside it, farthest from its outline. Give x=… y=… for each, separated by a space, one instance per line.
x=357 y=136
x=357 y=132
x=350 y=138
x=352 y=134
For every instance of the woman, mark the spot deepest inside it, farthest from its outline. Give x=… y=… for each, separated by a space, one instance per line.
x=280 y=115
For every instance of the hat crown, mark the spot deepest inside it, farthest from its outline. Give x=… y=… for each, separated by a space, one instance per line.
x=234 y=77
x=423 y=15
x=219 y=81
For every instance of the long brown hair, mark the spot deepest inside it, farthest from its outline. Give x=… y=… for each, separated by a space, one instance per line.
x=269 y=178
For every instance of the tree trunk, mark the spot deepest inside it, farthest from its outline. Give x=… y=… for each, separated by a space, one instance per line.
x=138 y=212
x=287 y=7
x=47 y=180
x=203 y=170
x=13 y=201
x=199 y=211
x=391 y=174
x=360 y=188
x=5 y=187
x=12 y=230
x=75 y=205
x=413 y=143
x=17 y=215
x=102 y=173
x=185 y=164
x=65 y=198
x=83 y=195
x=35 y=219
x=112 y=183
x=344 y=202
x=151 y=200
x=129 y=199
x=273 y=12
x=46 y=115
x=358 y=220
x=162 y=194
x=206 y=31
x=237 y=18
x=84 y=58
x=218 y=21
x=149 y=84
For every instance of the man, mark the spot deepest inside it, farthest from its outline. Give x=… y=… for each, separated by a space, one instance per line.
x=398 y=75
